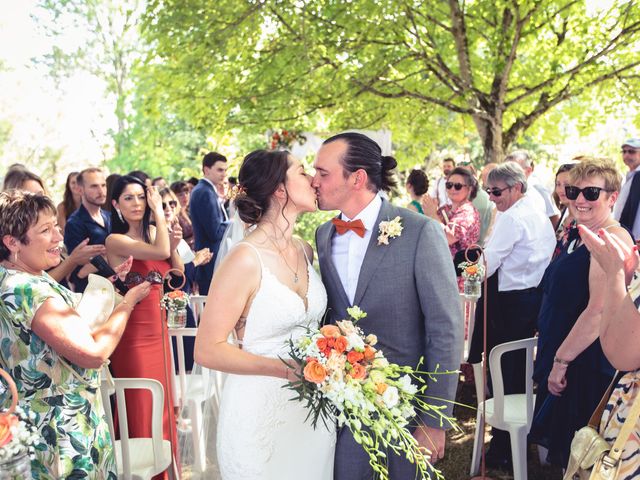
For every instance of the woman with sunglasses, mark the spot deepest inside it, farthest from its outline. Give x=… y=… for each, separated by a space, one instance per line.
x=571 y=369
x=566 y=219
x=461 y=219
x=144 y=349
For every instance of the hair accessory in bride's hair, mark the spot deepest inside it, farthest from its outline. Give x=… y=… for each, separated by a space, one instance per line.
x=237 y=191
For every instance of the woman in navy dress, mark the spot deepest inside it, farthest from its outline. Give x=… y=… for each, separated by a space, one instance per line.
x=571 y=370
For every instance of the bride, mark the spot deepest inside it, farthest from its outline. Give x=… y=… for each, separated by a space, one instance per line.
x=265 y=291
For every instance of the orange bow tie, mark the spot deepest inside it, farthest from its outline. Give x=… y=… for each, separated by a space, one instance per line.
x=355 y=226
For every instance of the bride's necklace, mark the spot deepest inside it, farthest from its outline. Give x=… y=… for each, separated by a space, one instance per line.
x=294 y=272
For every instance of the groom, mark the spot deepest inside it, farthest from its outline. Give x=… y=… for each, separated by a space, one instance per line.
x=407 y=287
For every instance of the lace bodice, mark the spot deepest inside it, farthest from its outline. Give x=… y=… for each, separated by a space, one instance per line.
x=277 y=313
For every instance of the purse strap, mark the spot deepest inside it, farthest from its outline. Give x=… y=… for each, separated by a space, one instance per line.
x=625 y=431
x=594 y=421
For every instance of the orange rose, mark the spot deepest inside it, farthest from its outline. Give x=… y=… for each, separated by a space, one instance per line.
x=369 y=353
x=381 y=387
x=472 y=269
x=358 y=371
x=6 y=422
x=330 y=331
x=354 y=357
x=322 y=343
x=314 y=372
x=341 y=344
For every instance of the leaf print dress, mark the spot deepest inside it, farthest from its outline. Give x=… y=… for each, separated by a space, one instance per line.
x=74 y=436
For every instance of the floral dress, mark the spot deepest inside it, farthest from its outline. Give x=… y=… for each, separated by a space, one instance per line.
x=465 y=221
x=74 y=436
x=617 y=410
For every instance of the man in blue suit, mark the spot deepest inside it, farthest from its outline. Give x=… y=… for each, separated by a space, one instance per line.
x=207 y=213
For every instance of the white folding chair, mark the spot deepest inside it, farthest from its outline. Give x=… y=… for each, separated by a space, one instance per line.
x=196 y=302
x=194 y=389
x=137 y=458
x=512 y=413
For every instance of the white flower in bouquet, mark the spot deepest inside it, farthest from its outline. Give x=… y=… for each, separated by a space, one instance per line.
x=390 y=397
x=355 y=342
x=371 y=339
x=405 y=385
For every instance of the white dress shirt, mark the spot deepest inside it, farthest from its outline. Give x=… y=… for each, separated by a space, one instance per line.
x=439 y=191
x=520 y=246
x=348 y=250
x=220 y=199
x=622 y=199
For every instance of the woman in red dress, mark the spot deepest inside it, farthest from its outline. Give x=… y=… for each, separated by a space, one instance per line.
x=140 y=353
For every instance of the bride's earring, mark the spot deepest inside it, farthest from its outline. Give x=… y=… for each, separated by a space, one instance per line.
x=15 y=255
x=120 y=215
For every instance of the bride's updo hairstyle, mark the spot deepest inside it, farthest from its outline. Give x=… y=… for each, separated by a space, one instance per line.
x=261 y=172
x=363 y=153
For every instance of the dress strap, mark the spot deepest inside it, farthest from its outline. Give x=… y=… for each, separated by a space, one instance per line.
x=304 y=251
x=255 y=250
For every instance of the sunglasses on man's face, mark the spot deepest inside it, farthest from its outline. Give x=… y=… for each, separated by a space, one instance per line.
x=172 y=204
x=457 y=186
x=630 y=151
x=590 y=194
x=495 y=191
x=134 y=278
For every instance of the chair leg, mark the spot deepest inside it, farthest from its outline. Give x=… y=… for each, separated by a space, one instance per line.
x=478 y=441
x=519 y=453
x=197 y=436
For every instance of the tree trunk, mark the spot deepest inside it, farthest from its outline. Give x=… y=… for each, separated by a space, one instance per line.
x=490 y=132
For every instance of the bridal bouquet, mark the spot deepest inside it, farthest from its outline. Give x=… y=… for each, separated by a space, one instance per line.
x=344 y=377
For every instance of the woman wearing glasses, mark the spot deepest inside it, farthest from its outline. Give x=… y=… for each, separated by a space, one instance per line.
x=571 y=370
x=144 y=348
x=461 y=219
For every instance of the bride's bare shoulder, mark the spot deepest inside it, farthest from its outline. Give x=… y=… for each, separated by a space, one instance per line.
x=242 y=259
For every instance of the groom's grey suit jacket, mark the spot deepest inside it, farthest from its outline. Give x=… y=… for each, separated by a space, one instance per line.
x=408 y=290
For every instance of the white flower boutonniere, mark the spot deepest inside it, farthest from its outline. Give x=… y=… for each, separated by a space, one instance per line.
x=389 y=229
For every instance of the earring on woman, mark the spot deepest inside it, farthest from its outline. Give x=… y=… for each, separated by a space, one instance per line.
x=16 y=258
x=119 y=215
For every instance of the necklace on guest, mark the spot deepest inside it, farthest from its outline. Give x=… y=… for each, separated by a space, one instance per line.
x=294 y=272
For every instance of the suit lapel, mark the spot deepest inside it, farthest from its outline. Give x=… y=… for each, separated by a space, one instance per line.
x=374 y=255
x=331 y=272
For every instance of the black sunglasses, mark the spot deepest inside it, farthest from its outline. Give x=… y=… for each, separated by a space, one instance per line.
x=172 y=204
x=134 y=278
x=457 y=186
x=629 y=150
x=495 y=191
x=590 y=194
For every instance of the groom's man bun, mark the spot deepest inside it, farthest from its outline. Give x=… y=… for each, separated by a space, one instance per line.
x=261 y=172
x=363 y=153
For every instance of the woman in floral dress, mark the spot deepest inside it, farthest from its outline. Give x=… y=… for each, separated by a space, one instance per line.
x=48 y=349
x=461 y=219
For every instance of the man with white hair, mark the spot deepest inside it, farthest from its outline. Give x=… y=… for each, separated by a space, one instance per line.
x=626 y=208
x=541 y=195
x=517 y=253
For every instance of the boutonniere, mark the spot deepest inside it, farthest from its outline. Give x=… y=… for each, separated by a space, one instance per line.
x=389 y=229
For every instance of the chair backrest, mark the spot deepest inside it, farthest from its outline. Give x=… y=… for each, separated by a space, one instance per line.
x=196 y=302
x=495 y=367
x=179 y=334
x=157 y=394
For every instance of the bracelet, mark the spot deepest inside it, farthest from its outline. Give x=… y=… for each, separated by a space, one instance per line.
x=561 y=361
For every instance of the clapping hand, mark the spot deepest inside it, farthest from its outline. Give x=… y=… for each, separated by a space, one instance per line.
x=203 y=257
x=430 y=206
x=175 y=235
x=611 y=253
x=154 y=200
x=122 y=269
x=85 y=252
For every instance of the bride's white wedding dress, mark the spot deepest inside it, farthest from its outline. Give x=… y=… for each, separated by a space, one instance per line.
x=262 y=434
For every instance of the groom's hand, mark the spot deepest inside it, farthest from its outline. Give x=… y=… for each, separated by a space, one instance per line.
x=432 y=439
